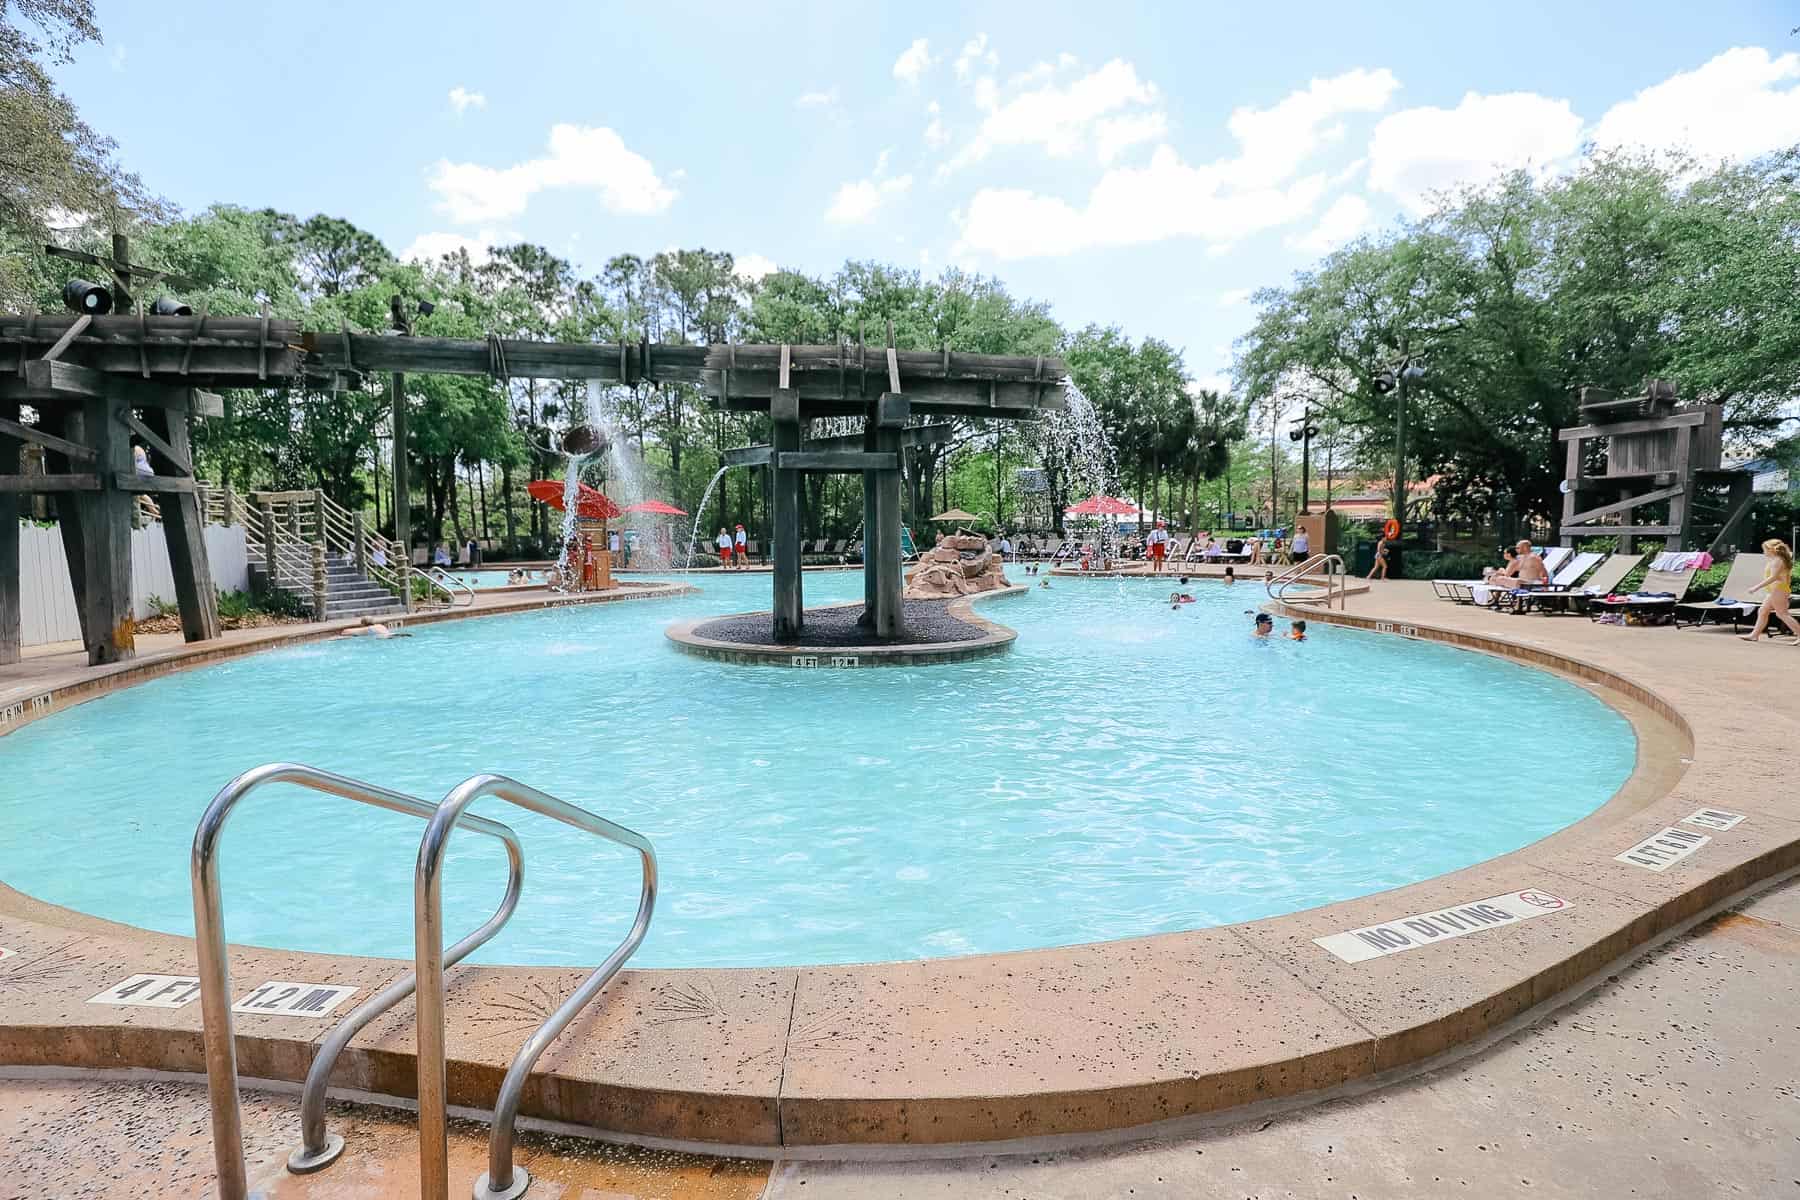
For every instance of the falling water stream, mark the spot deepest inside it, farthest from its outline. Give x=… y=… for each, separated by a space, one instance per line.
x=700 y=515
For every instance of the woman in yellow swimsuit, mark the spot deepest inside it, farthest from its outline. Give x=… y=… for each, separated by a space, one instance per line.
x=1778 y=581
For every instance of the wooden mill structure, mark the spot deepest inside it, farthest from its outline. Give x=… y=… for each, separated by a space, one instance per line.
x=797 y=384
x=1657 y=451
x=94 y=382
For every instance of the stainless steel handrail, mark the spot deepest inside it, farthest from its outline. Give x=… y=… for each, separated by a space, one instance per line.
x=209 y=936
x=1335 y=584
x=318 y=1148
x=448 y=584
x=502 y=1180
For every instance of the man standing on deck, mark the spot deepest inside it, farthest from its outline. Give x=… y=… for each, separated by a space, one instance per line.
x=1158 y=544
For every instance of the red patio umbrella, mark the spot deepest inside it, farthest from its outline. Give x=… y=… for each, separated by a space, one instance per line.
x=1104 y=506
x=657 y=507
x=589 y=502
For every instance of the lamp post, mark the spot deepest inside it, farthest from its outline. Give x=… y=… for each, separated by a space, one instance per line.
x=1304 y=432
x=1395 y=379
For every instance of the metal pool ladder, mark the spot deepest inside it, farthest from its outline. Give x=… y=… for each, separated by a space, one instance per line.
x=1336 y=585
x=319 y=1148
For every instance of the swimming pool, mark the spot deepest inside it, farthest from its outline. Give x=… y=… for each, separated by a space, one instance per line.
x=1124 y=770
x=480 y=580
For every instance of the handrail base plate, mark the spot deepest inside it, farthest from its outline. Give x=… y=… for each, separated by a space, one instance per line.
x=520 y=1181
x=302 y=1163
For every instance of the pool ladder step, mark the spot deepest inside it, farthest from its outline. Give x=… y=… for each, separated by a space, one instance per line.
x=319 y=1148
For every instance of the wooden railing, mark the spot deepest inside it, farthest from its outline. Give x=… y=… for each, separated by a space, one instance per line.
x=296 y=534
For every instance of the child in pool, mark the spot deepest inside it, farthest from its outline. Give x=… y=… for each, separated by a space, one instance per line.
x=1297 y=631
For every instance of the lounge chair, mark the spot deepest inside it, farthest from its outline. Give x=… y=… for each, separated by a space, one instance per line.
x=1554 y=557
x=1601 y=583
x=1518 y=599
x=821 y=546
x=1657 y=598
x=837 y=547
x=1746 y=572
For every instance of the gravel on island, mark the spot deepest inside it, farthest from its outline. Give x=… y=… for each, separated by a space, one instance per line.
x=928 y=622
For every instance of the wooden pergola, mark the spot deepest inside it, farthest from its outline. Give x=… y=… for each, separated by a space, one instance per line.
x=95 y=381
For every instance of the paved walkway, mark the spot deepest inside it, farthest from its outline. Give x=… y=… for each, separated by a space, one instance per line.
x=1678 y=1078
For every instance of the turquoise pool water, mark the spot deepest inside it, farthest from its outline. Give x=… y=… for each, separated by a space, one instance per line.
x=492 y=579
x=1125 y=770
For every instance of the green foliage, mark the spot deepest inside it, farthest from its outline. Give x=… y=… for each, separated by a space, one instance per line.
x=163 y=608
x=236 y=606
x=56 y=173
x=1517 y=294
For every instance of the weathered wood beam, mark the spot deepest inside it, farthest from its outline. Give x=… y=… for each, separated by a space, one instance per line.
x=820 y=395
x=1607 y=510
x=836 y=461
x=69 y=335
x=26 y=433
x=168 y=452
x=1647 y=425
x=131 y=481
x=11 y=626
x=71 y=379
x=911 y=364
x=34 y=484
x=184 y=533
x=913 y=435
x=1623 y=530
x=747 y=456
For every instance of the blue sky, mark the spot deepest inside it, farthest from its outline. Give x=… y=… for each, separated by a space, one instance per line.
x=1139 y=165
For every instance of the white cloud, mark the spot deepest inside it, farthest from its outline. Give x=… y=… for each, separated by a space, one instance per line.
x=1726 y=109
x=881 y=161
x=117 y=57
x=1060 y=120
x=1348 y=216
x=753 y=267
x=936 y=136
x=1116 y=134
x=1167 y=198
x=1418 y=151
x=462 y=99
x=826 y=99
x=429 y=247
x=856 y=202
x=914 y=61
x=581 y=157
x=975 y=52
x=1277 y=140
x=1220 y=201
x=1234 y=297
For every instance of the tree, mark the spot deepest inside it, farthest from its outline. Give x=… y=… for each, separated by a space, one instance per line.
x=55 y=170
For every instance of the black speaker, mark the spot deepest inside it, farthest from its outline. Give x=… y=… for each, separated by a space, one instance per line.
x=83 y=297
x=168 y=306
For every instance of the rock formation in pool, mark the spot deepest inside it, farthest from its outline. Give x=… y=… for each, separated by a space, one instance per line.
x=959 y=565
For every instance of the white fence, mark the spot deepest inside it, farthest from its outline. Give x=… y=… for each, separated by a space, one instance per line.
x=47 y=601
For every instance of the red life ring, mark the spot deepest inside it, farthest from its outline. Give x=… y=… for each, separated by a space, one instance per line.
x=1391 y=530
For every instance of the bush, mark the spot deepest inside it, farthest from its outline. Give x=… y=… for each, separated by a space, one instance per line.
x=1448 y=566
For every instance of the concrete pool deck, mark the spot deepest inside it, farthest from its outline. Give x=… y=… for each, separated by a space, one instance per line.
x=1080 y=1040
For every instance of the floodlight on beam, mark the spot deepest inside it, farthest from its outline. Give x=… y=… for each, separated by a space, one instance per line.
x=82 y=296
x=168 y=306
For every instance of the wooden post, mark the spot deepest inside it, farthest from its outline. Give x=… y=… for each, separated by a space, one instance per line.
x=883 y=580
x=790 y=610
x=1680 y=512
x=110 y=633
x=362 y=547
x=269 y=534
x=184 y=532
x=1572 y=497
x=66 y=421
x=402 y=500
x=10 y=581
x=320 y=594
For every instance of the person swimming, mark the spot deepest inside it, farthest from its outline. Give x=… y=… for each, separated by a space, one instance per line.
x=1297 y=631
x=1265 y=625
x=1177 y=599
